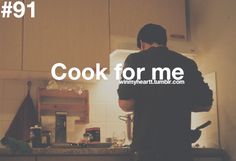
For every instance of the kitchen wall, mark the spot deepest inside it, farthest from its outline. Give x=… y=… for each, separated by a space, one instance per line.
x=213 y=24
x=12 y=93
x=210 y=135
x=104 y=109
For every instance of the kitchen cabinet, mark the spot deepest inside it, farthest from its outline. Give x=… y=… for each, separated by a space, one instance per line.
x=208 y=159
x=82 y=33
x=103 y=154
x=128 y=17
x=85 y=158
x=66 y=158
x=74 y=32
x=10 y=43
x=17 y=158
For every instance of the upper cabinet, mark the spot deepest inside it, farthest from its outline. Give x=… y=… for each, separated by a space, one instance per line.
x=82 y=33
x=127 y=17
x=10 y=43
x=74 y=32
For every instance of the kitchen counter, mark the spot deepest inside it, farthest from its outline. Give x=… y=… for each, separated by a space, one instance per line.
x=116 y=152
x=70 y=151
x=210 y=153
x=69 y=154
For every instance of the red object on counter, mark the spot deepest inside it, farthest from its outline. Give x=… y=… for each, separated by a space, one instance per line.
x=95 y=133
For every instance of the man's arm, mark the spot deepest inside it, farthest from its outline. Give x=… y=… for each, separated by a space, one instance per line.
x=126 y=92
x=201 y=108
x=127 y=105
x=202 y=94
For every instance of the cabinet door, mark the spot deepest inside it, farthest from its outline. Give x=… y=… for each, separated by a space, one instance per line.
x=10 y=43
x=85 y=158
x=73 y=32
x=16 y=158
x=129 y=16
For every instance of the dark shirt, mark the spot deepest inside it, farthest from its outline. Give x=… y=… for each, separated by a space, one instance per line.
x=162 y=112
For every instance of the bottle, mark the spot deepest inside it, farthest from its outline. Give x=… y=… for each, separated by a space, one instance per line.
x=46 y=137
x=36 y=136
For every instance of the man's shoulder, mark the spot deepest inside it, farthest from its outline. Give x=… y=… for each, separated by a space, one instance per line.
x=179 y=55
x=182 y=58
x=138 y=57
x=134 y=57
x=131 y=60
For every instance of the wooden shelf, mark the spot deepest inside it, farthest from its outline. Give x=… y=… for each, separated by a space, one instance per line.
x=51 y=101
x=62 y=93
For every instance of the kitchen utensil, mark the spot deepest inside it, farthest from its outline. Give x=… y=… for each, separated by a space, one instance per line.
x=61 y=119
x=129 y=123
x=94 y=134
x=36 y=136
x=118 y=138
x=46 y=137
x=81 y=145
x=196 y=133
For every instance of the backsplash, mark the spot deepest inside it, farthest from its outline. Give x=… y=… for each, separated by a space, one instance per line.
x=104 y=110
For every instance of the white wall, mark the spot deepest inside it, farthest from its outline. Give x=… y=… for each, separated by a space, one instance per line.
x=213 y=27
x=104 y=110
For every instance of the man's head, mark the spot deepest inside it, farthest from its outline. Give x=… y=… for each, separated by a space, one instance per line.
x=151 y=34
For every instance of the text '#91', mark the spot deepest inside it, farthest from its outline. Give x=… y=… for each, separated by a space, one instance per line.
x=17 y=9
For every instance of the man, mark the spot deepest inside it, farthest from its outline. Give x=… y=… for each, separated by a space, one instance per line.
x=162 y=112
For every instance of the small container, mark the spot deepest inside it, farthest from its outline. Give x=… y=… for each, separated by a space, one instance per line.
x=36 y=136
x=95 y=134
x=108 y=140
x=87 y=137
x=46 y=137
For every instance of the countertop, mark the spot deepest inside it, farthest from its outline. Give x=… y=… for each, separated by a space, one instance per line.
x=70 y=151
x=197 y=152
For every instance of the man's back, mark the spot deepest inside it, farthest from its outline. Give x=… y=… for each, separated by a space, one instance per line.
x=162 y=107
x=162 y=112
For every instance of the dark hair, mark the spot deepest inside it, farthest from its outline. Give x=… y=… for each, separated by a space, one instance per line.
x=152 y=33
